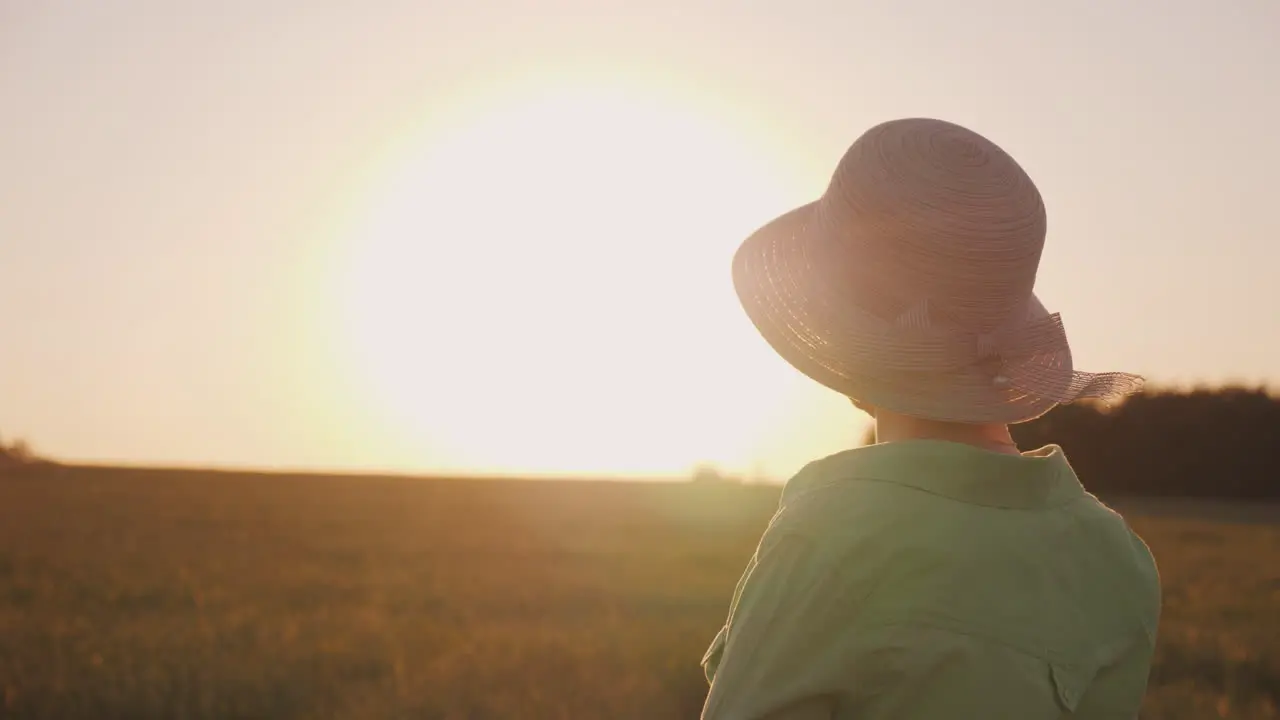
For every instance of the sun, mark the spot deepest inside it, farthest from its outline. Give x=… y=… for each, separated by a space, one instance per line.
x=546 y=289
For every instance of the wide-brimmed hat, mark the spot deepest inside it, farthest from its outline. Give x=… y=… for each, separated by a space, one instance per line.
x=908 y=284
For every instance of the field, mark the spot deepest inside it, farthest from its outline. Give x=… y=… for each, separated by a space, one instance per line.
x=148 y=594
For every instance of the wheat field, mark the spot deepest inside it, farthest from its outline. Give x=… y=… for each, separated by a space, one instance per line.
x=153 y=594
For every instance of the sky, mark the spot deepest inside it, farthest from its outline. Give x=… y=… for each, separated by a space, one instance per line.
x=495 y=237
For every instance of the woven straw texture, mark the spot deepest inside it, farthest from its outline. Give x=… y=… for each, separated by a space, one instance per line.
x=908 y=285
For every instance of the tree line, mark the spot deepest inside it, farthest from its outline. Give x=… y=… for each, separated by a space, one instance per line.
x=1205 y=443
x=1221 y=442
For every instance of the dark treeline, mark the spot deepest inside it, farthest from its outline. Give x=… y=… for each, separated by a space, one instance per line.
x=1205 y=443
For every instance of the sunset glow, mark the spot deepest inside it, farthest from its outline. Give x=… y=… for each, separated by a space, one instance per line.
x=547 y=288
x=456 y=238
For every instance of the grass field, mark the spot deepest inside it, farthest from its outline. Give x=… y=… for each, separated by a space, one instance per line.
x=130 y=594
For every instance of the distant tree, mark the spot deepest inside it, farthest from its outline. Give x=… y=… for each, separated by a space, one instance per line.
x=18 y=452
x=707 y=473
x=21 y=452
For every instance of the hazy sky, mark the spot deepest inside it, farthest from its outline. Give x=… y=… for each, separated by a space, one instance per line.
x=206 y=211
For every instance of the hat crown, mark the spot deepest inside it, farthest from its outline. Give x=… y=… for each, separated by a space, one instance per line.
x=922 y=210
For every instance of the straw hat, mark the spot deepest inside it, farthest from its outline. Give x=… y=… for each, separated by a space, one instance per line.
x=908 y=284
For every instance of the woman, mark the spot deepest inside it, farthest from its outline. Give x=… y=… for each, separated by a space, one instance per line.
x=939 y=573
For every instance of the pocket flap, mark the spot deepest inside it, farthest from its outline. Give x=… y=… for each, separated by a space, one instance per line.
x=1071 y=680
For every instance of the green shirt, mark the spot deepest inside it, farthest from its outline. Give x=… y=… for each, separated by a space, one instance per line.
x=929 y=579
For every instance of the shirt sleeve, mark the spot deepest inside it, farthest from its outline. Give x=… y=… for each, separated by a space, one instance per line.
x=778 y=655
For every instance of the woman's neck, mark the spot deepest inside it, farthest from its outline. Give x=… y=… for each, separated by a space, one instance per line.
x=892 y=427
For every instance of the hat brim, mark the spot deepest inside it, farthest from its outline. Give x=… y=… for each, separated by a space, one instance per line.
x=786 y=299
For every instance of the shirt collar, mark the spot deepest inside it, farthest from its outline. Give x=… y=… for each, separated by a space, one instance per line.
x=1036 y=479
